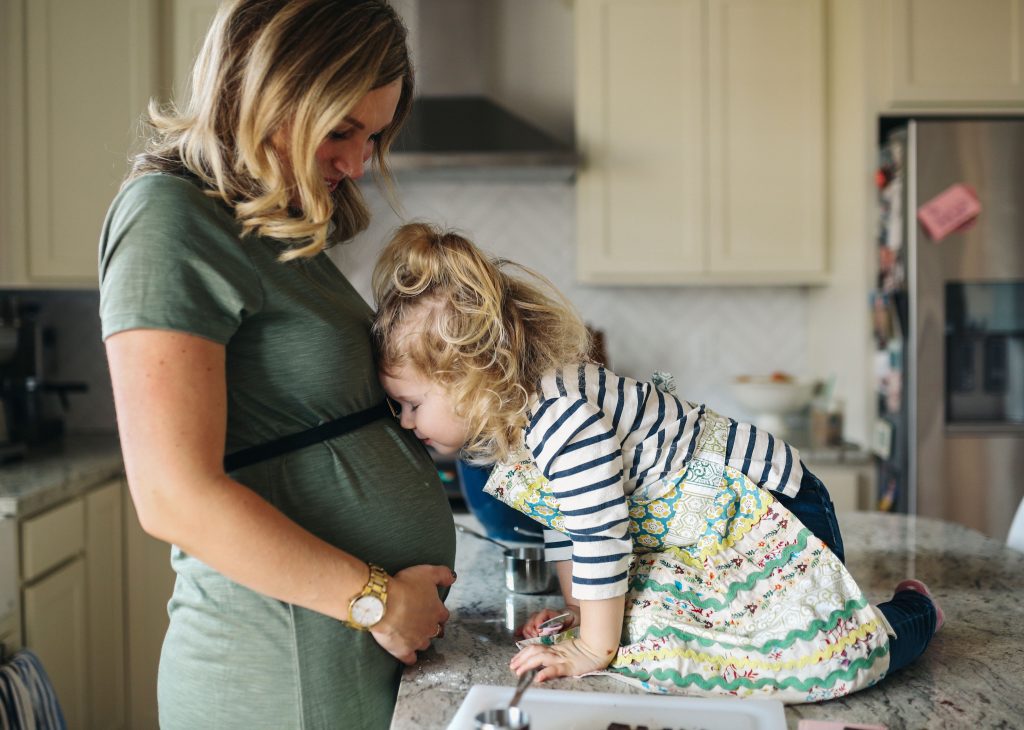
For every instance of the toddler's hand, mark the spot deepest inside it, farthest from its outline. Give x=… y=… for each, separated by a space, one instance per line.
x=565 y=659
x=531 y=628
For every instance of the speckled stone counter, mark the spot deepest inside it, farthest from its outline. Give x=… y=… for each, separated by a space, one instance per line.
x=970 y=676
x=51 y=475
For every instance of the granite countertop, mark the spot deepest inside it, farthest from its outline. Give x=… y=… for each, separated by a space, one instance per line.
x=968 y=677
x=50 y=475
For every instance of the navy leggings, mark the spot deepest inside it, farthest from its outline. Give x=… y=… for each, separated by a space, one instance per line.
x=911 y=614
x=814 y=508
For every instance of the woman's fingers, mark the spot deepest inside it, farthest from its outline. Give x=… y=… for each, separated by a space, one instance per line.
x=415 y=611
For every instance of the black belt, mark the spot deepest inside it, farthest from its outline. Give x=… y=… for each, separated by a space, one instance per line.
x=302 y=439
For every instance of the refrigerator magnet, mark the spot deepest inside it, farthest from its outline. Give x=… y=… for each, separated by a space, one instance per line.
x=949 y=211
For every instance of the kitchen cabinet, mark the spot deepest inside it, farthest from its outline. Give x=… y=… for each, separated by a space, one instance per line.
x=77 y=607
x=75 y=82
x=72 y=594
x=55 y=630
x=10 y=601
x=149 y=584
x=88 y=588
x=54 y=602
x=850 y=485
x=953 y=54
x=702 y=126
x=105 y=591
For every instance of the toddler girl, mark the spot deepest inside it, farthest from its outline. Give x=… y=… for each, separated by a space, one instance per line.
x=682 y=568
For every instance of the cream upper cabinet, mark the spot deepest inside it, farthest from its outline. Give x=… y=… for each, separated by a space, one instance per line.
x=955 y=54
x=190 y=20
x=702 y=127
x=75 y=86
x=640 y=122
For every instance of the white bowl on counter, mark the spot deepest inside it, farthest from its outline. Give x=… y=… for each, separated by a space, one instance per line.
x=770 y=399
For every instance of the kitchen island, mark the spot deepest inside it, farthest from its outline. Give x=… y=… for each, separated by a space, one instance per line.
x=968 y=678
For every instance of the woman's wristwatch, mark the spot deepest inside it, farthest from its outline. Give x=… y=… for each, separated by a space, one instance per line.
x=367 y=608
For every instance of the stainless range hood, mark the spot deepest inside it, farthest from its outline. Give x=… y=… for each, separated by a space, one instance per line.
x=471 y=137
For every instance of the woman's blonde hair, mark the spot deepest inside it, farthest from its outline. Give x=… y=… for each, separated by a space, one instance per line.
x=288 y=69
x=485 y=329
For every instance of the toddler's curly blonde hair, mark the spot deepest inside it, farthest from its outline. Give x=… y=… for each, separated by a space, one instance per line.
x=485 y=329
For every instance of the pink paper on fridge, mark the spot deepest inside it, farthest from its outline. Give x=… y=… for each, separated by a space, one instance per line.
x=948 y=211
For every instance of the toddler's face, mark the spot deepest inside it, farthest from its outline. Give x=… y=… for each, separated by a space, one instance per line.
x=426 y=409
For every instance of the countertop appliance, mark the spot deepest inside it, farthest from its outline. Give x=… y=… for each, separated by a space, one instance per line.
x=950 y=322
x=9 y=449
x=33 y=405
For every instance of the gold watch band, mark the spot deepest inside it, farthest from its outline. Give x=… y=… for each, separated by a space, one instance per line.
x=367 y=607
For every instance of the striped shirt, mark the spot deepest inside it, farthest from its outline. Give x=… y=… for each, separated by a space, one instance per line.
x=597 y=437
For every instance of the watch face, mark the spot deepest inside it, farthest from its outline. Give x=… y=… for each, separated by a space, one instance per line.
x=367 y=610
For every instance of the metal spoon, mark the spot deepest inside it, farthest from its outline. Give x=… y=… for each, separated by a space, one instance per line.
x=474 y=533
x=511 y=717
x=524 y=683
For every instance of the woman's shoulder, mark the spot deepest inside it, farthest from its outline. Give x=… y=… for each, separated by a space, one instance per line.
x=160 y=205
x=160 y=190
x=167 y=220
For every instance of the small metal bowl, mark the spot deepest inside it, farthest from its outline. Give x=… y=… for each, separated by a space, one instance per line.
x=526 y=571
x=502 y=718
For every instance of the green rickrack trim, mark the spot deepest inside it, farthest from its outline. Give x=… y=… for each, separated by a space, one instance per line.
x=815 y=627
x=803 y=685
x=641 y=584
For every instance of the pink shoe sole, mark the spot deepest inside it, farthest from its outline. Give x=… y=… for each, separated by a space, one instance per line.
x=912 y=584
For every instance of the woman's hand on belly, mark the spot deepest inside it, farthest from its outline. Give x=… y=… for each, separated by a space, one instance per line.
x=415 y=614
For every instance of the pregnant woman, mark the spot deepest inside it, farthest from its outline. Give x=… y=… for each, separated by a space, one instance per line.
x=306 y=578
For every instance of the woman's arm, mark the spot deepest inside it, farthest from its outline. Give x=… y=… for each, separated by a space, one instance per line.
x=171 y=401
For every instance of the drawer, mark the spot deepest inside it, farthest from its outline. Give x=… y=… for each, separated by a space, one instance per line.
x=8 y=571
x=51 y=538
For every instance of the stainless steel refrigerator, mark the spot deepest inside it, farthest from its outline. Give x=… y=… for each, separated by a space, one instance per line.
x=950 y=324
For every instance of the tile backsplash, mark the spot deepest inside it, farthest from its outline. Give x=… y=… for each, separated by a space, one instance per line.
x=704 y=336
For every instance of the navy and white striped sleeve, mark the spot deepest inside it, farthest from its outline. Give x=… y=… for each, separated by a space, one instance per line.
x=574 y=446
x=768 y=461
x=557 y=546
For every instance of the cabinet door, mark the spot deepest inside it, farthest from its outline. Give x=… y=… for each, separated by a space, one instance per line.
x=851 y=486
x=55 y=629
x=150 y=581
x=87 y=78
x=191 y=20
x=640 y=128
x=103 y=553
x=955 y=53
x=767 y=111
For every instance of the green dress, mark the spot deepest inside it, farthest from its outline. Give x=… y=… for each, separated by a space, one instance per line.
x=298 y=353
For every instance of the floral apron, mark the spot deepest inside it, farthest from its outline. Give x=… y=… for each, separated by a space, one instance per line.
x=729 y=594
